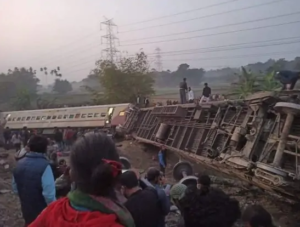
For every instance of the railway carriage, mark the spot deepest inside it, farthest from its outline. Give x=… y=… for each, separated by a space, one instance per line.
x=101 y=116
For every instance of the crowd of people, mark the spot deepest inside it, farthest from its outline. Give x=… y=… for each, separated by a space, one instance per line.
x=99 y=193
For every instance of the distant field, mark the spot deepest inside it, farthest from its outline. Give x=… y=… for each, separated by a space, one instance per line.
x=161 y=95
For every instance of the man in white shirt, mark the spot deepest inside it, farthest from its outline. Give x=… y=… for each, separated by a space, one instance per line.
x=191 y=95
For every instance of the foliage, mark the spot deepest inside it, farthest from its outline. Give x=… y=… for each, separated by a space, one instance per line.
x=62 y=86
x=246 y=84
x=55 y=71
x=123 y=81
x=15 y=80
x=278 y=65
x=22 y=99
x=194 y=76
x=43 y=103
x=269 y=83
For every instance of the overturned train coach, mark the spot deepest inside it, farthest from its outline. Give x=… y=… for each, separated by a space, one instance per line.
x=101 y=116
x=256 y=140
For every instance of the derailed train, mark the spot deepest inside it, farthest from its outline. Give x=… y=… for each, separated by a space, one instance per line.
x=256 y=140
x=101 y=116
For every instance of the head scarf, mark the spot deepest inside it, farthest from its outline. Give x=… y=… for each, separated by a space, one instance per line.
x=177 y=191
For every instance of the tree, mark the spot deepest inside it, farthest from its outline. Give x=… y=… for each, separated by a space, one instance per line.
x=246 y=84
x=124 y=81
x=43 y=103
x=62 y=86
x=278 y=65
x=16 y=80
x=22 y=100
x=268 y=82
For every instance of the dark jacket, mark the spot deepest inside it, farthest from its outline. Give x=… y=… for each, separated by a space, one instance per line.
x=28 y=178
x=206 y=92
x=183 y=85
x=144 y=208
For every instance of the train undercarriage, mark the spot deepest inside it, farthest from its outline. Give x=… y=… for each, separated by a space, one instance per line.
x=256 y=140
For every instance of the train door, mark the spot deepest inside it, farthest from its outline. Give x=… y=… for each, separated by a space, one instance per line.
x=109 y=115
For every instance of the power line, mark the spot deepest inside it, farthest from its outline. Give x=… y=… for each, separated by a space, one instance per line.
x=236 y=56
x=235 y=46
x=221 y=33
x=229 y=45
x=219 y=26
x=93 y=33
x=110 y=37
x=206 y=16
x=176 y=14
x=192 y=37
x=223 y=57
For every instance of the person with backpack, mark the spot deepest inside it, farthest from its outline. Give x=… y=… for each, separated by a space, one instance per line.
x=154 y=178
x=142 y=204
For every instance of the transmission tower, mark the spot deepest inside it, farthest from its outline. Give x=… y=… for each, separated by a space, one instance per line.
x=110 y=38
x=158 y=61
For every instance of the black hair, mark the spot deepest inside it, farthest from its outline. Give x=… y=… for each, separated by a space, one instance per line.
x=212 y=209
x=152 y=174
x=257 y=216
x=184 y=79
x=205 y=84
x=38 y=144
x=88 y=170
x=129 y=179
x=204 y=180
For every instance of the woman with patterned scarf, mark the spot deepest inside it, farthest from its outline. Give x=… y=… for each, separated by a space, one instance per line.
x=95 y=168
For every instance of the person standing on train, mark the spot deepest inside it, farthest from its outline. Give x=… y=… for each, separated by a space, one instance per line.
x=191 y=95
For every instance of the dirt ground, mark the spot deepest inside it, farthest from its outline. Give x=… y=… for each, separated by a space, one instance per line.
x=142 y=157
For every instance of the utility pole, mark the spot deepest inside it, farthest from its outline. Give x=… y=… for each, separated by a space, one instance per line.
x=110 y=38
x=158 y=61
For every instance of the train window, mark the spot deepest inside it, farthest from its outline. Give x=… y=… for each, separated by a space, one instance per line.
x=9 y=119
x=33 y=118
x=28 y=118
x=122 y=113
x=23 y=118
x=18 y=119
x=96 y=115
x=103 y=114
x=83 y=115
x=38 y=118
x=65 y=116
x=44 y=118
x=90 y=115
x=13 y=119
x=54 y=117
x=77 y=115
x=59 y=117
x=48 y=117
x=71 y=116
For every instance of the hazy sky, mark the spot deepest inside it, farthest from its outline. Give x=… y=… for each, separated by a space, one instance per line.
x=66 y=33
